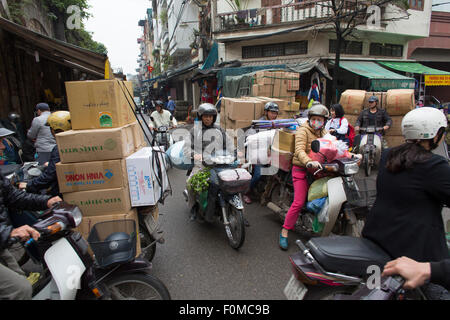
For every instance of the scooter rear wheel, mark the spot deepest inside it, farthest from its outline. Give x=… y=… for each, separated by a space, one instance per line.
x=138 y=286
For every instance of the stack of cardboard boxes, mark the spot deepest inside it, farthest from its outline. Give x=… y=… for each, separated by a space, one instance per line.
x=92 y=173
x=397 y=102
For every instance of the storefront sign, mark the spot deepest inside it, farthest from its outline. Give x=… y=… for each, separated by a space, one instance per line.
x=438 y=80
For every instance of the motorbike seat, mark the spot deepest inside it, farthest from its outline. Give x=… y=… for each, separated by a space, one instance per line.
x=347 y=255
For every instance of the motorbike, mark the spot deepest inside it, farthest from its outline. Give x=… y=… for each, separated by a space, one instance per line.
x=70 y=272
x=163 y=138
x=349 y=199
x=226 y=185
x=370 y=147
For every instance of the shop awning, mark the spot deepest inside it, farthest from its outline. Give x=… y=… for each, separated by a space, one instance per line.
x=412 y=67
x=380 y=78
x=212 y=57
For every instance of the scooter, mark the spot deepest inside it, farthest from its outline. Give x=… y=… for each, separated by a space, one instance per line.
x=162 y=137
x=370 y=147
x=348 y=200
x=226 y=185
x=71 y=273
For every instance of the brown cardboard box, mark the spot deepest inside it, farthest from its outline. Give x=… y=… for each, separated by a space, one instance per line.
x=89 y=222
x=284 y=141
x=238 y=109
x=400 y=101
x=265 y=77
x=394 y=141
x=352 y=101
x=138 y=136
x=100 y=202
x=287 y=114
x=97 y=175
x=396 y=128
x=262 y=90
x=99 y=104
x=96 y=145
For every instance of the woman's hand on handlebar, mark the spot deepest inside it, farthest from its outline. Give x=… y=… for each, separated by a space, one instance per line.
x=25 y=233
x=314 y=165
x=22 y=185
x=53 y=201
x=415 y=273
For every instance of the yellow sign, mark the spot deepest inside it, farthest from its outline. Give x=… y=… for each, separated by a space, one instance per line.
x=437 y=80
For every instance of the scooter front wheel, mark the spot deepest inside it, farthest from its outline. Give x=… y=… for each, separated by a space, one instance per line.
x=367 y=165
x=235 y=228
x=137 y=286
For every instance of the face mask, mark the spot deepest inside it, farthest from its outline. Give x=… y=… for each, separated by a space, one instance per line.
x=316 y=124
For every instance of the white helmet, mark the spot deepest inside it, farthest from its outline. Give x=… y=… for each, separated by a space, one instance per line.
x=423 y=123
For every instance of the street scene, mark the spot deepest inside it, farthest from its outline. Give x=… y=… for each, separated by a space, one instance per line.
x=225 y=150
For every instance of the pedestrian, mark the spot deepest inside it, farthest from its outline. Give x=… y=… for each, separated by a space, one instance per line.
x=171 y=105
x=44 y=142
x=311 y=130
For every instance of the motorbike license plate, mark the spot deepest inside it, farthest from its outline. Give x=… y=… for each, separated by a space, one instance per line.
x=295 y=290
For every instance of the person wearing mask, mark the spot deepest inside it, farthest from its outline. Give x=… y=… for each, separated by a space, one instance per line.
x=58 y=122
x=44 y=142
x=413 y=184
x=271 y=111
x=375 y=117
x=311 y=130
x=338 y=125
x=13 y=283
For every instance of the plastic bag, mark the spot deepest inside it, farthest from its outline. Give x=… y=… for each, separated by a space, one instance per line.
x=317 y=226
x=176 y=156
x=203 y=200
x=319 y=189
x=316 y=205
x=258 y=146
x=324 y=216
x=327 y=149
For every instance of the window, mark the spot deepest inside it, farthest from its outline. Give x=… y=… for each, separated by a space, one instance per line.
x=349 y=47
x=275 y=50
x=416 y=4
x=386 y=50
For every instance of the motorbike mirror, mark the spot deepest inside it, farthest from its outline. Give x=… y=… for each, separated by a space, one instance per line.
x=171 y=118
x=151 y=118
x=34 y=172
x=315 y=146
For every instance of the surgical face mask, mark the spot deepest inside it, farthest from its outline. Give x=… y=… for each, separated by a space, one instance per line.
x=316 y=124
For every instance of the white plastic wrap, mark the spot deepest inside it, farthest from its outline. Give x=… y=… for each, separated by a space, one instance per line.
x=258 y=146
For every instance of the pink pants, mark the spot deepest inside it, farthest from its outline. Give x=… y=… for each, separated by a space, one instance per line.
x=300 y=194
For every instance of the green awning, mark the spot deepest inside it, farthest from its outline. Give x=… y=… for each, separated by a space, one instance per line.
x=381 y=79
x=413 y=67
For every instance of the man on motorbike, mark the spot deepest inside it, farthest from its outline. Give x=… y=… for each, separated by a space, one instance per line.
x=271 y=111
x=14 y=123
x=311 y=130
x=372 y=116
x=202 y=136
x=58 y=122
x=413 y=184
x=13 y=284
x=161 y=117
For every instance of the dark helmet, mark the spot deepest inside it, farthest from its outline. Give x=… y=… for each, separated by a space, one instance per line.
x=14 y=117
x=207 y=109
x=272 y=106
x=119 y=248
x=374 y=99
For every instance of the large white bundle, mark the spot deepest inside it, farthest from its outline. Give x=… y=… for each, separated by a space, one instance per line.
x=258 y=146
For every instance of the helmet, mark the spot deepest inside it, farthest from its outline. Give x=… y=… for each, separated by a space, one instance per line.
x=5 y=132
x=423 y=123
x=118 y=248
x=159 y=103
x=59 y=121
x=319 y=110
x=272 y=106
x=207 y=109
x=13 y=116
x=374 y=99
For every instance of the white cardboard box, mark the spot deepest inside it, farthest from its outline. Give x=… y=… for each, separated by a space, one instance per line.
x=146 y=177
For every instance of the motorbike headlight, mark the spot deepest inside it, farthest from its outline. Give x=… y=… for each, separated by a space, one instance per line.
x=352 y=168
x=77 y=216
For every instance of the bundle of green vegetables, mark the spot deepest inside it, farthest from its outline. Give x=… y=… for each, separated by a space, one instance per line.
x=199 y=182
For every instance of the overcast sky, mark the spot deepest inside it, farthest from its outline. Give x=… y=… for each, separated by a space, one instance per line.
x=445 y=7
x=115 y=24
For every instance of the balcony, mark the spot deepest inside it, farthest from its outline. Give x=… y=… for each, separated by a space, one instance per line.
x=296 y=13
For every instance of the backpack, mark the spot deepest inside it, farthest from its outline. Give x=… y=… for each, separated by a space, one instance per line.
x=350 y=133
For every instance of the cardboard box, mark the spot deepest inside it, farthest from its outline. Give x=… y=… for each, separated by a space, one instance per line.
x=284 y=141
x=400 y=102
x=138 y=135
x=352 y=101
x=96 y=145
x=262 y=90
x=97 y=175
x=99 y=104
x=88 y=223
x=394 y=141
x=238 y=109
x=266 y=77
x=396 y=128
x=144 y=186
x=100 y=202
x=352 y=119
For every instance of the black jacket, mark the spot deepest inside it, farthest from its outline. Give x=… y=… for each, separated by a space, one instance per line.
x=406 y=219
x=48 y=178
x=12 y=198
x=440 y=273
x=382 y=119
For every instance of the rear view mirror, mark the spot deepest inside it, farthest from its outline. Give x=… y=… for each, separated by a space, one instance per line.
x=315 y=146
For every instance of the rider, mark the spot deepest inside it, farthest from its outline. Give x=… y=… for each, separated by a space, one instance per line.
x=161 y=117
x=311 y=130
x=58 y=122
x=413 y=184
x=338 y=124
x=373 y=116
x=8 y=147
x=201 y=136
x=271 y=111
x=13 y=284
